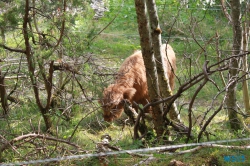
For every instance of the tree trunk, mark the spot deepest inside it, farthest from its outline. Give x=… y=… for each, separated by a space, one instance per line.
x=245 y=40
x=245 y=71
x=150 y=65
x=164 y=85
x=230 y=102
x=31 y=68
x=3 y=95
x=2 y=35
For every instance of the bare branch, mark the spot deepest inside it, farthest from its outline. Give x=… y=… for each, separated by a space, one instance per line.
x=224 y=9
x=12 y=49
x=208 y=121
x=213 y=146
x=63 y=25
x=34 y=136
x=106 y=25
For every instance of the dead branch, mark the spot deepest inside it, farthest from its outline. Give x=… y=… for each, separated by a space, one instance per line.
x=179 y=127
x=206 y=79
x=63 y=26
x=147 y=161
x=12 y=49
x=219 y=57
x=139 y=124
x=48 y=85
x=208 y=121
x=129 y=111
x=224 y=9
x=32 y=137
x=213 y=146
x=63 y=66
x=29 y=55
x=193 y=81
x=106 y=26
x=83 y=89
x=76 y=127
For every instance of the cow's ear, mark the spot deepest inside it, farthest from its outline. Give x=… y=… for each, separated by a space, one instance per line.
x=129 y=93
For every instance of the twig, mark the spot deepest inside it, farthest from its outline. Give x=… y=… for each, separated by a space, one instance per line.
x=219 y=57
x=12 y=49
x=63 y=25
x=106 y=25
x=146 y=161
x=76 y=127
x=208 y=121
x=223 y=6
x=32 y=136
x=206 y=79
x=213 y=146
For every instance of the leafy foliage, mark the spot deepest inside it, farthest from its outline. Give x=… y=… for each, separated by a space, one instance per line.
x=86 y=60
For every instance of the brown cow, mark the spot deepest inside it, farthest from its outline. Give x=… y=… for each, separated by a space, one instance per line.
x=131 y=83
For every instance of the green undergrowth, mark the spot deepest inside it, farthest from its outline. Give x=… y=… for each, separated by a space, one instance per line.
x=86 y=126
x=91 y=127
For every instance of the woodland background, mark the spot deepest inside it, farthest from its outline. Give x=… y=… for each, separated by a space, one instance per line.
x=57 y=56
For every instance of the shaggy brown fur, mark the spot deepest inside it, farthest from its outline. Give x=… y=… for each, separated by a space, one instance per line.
x=131 y=83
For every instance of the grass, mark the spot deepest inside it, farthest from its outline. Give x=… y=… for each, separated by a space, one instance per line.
x=93 y=127
x=112 y=46
x=118 y=47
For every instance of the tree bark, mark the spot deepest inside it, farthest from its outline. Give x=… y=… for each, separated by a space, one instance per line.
x=31 y=68
x=150 y=64
x=3 y=95
x=245 y=40
x=164 y=85
x=230 y=102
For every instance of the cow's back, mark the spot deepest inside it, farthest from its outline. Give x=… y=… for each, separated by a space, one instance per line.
x=131 y=83
x=170 y=62
x=132 y=74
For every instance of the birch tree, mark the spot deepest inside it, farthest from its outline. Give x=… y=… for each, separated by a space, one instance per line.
x=245 y=40
x=157 y=79
x=165 y=89
x=150 y=65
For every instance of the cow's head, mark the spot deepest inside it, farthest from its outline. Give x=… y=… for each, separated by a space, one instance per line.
x=113 y=100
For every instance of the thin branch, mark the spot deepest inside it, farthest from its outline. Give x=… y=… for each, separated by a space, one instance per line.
x=219 y=57
x=191 y=106
x=63 y=25
x=17 y=77
x=40 y=11
x=213 y=146
x=48 y=83
x=224 y=9
x=12 y=49
x=106 y=25
x=76 y=127
x=33 y=136
x=208 y=121
x=29 y=55
x=81 y=87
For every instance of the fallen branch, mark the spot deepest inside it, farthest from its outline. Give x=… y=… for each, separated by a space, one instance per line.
x=213 y=146
x=34 y=136
x=146 y=161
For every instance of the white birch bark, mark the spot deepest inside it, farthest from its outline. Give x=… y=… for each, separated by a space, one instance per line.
x=161 y=69
x=150 y=65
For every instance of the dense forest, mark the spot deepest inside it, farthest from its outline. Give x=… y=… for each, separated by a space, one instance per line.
x=59 y=60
